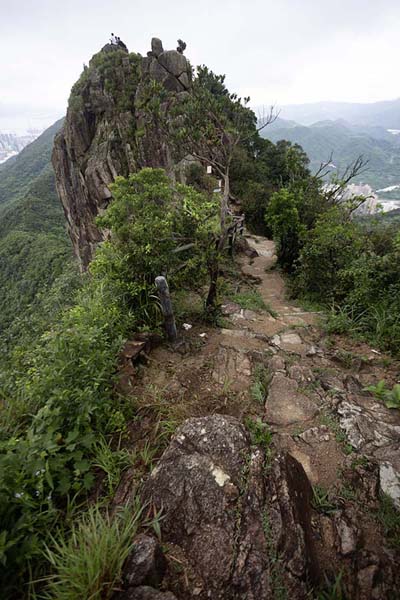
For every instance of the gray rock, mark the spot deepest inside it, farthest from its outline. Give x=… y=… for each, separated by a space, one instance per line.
x=156 y=46
x=375 y=430
x=144 y=592
x=219 y=505
x=146 y=564
x=368 y=423
x=232 y=366
x=330 y=382
x=389 y=479
x=347 y=535
x=174 y=62
x=316 y=435
x=277 y=363
x=230 y=308
x=285 y=405
x=300 y=374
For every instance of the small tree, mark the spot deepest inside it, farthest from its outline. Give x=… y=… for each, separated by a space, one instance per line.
x=157 y=228
x=209 y=125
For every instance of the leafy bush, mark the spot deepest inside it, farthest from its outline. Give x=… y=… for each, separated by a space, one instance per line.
x=259 y=169
x=283 y=218
x=157 y=229
x=391 y=398
x=328 y=250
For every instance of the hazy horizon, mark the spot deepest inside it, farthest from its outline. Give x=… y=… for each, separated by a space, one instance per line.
x=293 y=53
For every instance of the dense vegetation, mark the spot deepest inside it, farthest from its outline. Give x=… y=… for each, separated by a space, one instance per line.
x=38 y=275
x=351 y=267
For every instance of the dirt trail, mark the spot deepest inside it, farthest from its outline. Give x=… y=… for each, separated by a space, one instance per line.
x=313 y=400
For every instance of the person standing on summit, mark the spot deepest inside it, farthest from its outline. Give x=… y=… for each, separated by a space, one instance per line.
x=113 y=40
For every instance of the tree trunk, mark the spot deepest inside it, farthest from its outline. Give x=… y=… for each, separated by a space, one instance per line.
x=214 y=267
x=212 y=290
x=166 y=307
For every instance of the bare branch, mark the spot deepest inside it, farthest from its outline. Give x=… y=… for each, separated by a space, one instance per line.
x=265 y=119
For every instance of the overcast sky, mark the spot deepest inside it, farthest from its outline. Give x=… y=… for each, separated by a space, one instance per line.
x=278 y=52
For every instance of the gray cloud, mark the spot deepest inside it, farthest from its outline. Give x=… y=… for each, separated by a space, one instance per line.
x=277 y=52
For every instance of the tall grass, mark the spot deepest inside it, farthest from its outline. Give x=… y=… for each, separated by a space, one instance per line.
x=88 y=564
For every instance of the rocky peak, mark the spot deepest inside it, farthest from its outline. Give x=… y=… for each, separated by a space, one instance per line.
x=108 y=132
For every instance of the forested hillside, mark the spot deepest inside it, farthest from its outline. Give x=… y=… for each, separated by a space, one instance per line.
x=345 y=142
x=35 y=253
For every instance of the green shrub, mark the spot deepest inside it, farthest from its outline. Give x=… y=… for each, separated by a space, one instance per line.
x=328 y=250
x=157 y=228
x=283 y=217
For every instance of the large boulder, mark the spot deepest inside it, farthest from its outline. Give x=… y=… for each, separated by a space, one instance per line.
x=232 y=514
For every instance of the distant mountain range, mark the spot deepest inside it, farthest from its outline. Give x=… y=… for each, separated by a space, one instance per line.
x=382 y=114
x=11 y=144
x=346 y=140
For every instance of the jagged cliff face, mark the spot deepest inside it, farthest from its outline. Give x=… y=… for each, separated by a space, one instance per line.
x=109 y=131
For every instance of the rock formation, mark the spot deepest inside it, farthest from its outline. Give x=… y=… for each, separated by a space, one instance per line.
x=231 y=513
x=108 y=132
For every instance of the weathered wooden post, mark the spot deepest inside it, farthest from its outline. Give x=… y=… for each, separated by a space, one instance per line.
x=166 y=307
x=231 y=240
x=241 y=229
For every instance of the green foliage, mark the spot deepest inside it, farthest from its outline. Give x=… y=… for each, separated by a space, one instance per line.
x=329 y=248
x=260 y=433
x=66 y=384
x=356 y=271
x=339 y=262
x=88 y=564
x=157 y=229
x=332 y=591
x=109 y=66
x=391 y=398
x=250 y=300
x=17 y=174
x=261 y=381
x=321 y=500
x=282 y=216
x=389 y=517
x=37 y=273
x=260 y=168
x=111 y=462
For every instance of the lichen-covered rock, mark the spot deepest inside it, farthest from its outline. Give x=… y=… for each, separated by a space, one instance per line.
x=230 y=516
x=374 y=430
x=107 y=133
x=146 y=564
x=145 y=592
x=285 y=404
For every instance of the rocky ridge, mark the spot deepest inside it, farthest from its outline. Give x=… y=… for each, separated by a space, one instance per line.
x=108 y=132
x=271 y=494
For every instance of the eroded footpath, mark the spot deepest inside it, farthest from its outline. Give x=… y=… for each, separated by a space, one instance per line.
x=272 y=486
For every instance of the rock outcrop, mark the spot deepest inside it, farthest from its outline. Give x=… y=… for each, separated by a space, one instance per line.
x=108 y=132
x=232 y=514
